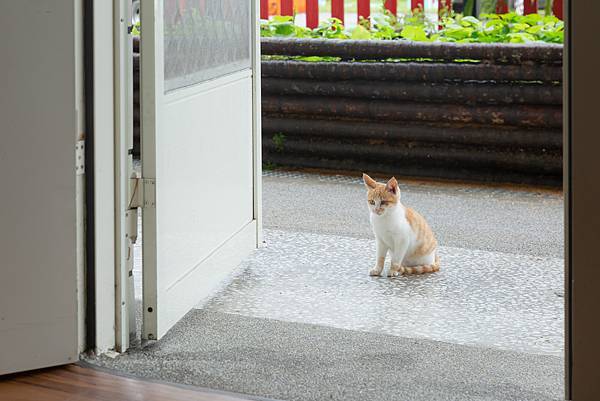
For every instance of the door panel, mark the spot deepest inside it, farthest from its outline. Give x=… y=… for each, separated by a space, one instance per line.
x=204 y=168
x=40 y=124
x=198 y=147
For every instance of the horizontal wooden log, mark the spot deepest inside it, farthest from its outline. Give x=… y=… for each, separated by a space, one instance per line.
x=427 y=154
x=463 y=163
x=408 y=71
x=415 y=171
x=378 y=132
x=397 y=49
x=369 y=49
x=465 y=92
x=520 y=116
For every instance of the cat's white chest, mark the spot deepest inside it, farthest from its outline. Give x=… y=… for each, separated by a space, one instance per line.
x=392 y=227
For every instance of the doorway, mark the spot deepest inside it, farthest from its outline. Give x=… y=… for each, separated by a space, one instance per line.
x=246 y=327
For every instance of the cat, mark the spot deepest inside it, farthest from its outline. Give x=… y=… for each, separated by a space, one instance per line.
x=400 y=230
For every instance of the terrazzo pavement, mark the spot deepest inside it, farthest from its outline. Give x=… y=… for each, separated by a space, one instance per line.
x=491 y=299
x=301 y=319
x=499 y=219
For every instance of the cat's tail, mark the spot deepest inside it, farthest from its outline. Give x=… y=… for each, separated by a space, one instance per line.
x=434 y=267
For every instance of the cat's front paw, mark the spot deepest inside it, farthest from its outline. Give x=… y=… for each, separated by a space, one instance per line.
x=395 y=271
x=376 y=271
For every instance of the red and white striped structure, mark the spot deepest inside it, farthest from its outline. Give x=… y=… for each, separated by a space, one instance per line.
x=364 y=8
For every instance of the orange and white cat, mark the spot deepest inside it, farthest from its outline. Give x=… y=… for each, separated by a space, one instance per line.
x=399 y=230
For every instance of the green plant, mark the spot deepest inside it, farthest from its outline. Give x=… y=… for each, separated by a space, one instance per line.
x=488 y=6
x=283 y=26
x=469 y=7
x=279 y=140
x=489 y=28
x=548 y=7
x=331 y=28
x=268 y=166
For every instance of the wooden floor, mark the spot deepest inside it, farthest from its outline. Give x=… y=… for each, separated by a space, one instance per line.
x=78 y=383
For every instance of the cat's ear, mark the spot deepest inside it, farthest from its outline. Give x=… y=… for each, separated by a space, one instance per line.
x=369 y=182
x=392 y=186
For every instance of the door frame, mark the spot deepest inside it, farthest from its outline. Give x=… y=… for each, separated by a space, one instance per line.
x=109 y=88
x=582 y=191
x=100 y=159
x=257 y=122
x=582 y=219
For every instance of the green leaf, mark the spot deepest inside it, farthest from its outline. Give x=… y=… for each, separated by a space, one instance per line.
x=520 y=37
x=532 y=19
x=551 y=19
x=416 y=33
x=470 y=21
x=284 y=30
x=534 y=29
x=282 y=18
x=510 y=17
x=458 y=33
x=489 y=16
x=360 y=33
x=519 y=27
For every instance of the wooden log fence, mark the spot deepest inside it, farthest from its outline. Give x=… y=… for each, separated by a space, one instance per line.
x=497 y=119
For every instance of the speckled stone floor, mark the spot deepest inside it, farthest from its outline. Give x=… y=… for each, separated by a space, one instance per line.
x=492 y=299
x=302 y=320
x=516 y=220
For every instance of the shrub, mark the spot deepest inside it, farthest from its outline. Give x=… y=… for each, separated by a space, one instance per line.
x=490 y=28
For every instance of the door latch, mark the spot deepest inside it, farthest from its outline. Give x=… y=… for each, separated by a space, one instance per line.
x=143 y=193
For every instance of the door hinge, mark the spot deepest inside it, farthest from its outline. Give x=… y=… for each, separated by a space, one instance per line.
x=143 y=193
x=131 y=229
x=80 y=157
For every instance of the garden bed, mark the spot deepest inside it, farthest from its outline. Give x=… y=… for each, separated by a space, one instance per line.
x=476 y=112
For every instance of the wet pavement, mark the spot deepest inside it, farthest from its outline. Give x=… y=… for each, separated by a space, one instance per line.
x=492 y=299
x=308 y=273
x=302 y=320
x=501 y=219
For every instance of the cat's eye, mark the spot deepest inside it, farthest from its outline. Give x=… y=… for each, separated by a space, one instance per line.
x=372 y=202
x=384 y=203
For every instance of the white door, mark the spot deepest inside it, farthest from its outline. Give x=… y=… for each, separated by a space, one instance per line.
x=199 y=150
x=40 y=211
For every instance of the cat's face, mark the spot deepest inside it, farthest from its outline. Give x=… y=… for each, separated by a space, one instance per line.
x=381 y=197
